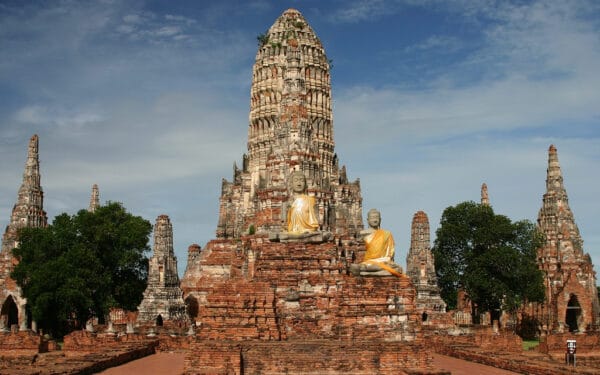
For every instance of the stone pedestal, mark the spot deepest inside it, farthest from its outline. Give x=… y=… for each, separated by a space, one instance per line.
x=297 y=295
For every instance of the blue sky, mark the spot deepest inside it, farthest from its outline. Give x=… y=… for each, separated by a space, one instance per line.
x=150 y=100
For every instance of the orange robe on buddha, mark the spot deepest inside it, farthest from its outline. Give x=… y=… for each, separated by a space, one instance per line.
x=301 y=216
x=380 y=250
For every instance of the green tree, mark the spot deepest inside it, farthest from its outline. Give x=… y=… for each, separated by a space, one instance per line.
x=83 y=265
x=488 y=256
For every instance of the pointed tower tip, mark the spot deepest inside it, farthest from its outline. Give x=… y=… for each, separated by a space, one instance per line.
x=194 y=248
x=33 y=144
x=162 y=220
x=420 y=217
x=552 y=149
x=291 y=15
x=485 y=199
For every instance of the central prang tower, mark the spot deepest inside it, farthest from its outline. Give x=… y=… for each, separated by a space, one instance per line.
x=291 y=128
x=267 y=297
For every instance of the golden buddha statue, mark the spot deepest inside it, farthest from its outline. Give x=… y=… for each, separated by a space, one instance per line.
x=301 y=216
x=379 y=257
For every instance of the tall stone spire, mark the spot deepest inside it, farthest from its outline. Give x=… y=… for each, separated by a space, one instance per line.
x=28 y=211
x=555 y=218
x=291 y=128
x=485 y=200
x=571 y=295
x=163 y=295
x=94 y=199
x=420 y=266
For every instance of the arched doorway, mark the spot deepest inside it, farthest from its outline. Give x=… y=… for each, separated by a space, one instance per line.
x=573 y=314
x=191 y=304
x=159 y=320
x=10 y=312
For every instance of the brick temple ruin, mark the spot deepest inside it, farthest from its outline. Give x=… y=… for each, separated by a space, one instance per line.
x=570 y=281
x=28 y=211
x=163 y=298
x=420 y=267
x=260 y=302
x=265 y=305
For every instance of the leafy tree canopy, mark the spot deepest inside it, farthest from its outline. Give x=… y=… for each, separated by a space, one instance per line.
x=81 y=266
x=488 y=256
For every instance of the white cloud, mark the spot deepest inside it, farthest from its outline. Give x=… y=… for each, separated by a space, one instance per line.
x=38 y=115
x=440 y=43
x=361 y=10
x=168 y=31
x=540 y=65
x=133 y=18
x=176 y=18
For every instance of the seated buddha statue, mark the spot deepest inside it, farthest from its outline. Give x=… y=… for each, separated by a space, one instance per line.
x=301 y=216
x=379 y=257
x=301 y=222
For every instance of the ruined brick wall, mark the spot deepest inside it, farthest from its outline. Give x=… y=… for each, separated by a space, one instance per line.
x=557 y=342
x=277 y=291
x=483 y=337
x=306 y=357
x=254 y=292
x=20 y=342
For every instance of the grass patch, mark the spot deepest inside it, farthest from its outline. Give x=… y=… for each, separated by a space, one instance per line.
x=530 y=344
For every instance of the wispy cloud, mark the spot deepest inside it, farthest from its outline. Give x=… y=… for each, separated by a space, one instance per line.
x=150 y=28
x=536 y=67
x=361 y=10
x=442 y=43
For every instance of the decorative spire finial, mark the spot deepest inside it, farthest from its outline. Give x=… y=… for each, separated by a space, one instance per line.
x=485 y=199
x=94 y=199
x=554 y=180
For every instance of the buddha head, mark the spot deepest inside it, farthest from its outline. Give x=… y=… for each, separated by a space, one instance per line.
x=374 y=218
x=298 y=181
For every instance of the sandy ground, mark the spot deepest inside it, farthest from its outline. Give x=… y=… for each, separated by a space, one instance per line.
x=156 y=364
x=459 y=367
x=172 y=364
